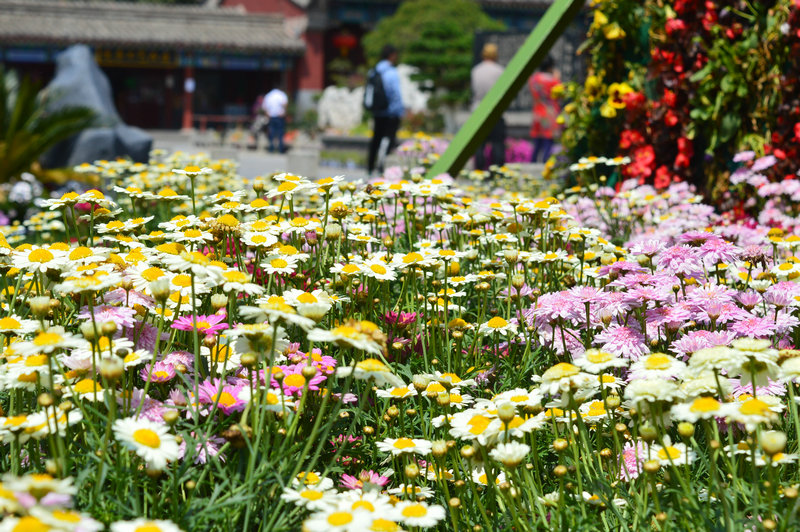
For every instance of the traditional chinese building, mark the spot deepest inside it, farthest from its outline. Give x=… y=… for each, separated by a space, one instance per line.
x=169 y=66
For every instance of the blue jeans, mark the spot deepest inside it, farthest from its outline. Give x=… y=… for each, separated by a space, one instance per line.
x=276 y=130
x=542 y=149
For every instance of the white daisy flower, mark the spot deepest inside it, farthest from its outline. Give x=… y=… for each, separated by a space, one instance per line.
x=398 y=446
x=151 y=441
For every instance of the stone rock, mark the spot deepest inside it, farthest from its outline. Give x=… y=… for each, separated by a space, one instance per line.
x=414 y=99
x=80 y=82
x=341 y=108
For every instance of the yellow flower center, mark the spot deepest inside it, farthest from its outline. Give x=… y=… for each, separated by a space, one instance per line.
x=227 y=399
x=235 y=276
x=338 y=518
x=415 y=510
x=40 y=256
x=182 y=280
x=152 y=274
x=311 y=495
x=371 y=364
x=30 y=524
x=278 y=263
x=657 y=361
x=147 y=437
x=704 y=404
x=560 y=371
x=87 y=386
x=754 y=407
x=47 y=338
x=598 y=357
x=295 y=380
x=497 y=323
x=404 y=443
x=377 y=268
x=307 y=298
x=670 y=453
x=9 y=323
x=478 y=424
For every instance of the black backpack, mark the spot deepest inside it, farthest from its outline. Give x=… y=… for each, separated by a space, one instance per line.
x=375 y=99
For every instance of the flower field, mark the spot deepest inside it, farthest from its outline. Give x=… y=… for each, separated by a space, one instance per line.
x=186 y=349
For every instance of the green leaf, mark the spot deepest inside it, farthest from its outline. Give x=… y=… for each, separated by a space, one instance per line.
x=729 y=126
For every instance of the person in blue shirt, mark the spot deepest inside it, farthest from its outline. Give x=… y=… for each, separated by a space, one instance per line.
x=386 y=122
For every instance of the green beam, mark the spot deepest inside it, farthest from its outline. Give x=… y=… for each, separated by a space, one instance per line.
x=473 y=133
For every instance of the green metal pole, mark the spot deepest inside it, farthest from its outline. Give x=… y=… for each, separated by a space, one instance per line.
x=473 y=133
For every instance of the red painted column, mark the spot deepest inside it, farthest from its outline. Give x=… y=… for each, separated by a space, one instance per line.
x=188 y=97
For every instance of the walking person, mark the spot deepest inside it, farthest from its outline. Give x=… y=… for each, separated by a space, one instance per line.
x=275 y=104
x=383 y=98
x=483 y=77
x=545 y=109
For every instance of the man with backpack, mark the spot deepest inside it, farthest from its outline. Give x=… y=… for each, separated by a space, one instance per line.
x=383 y=99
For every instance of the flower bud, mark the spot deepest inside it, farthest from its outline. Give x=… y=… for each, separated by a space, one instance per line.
x=772 y=441
x=40 y=306
x=309 y=372
x=506 y=412
x=333 y=232
x=111 y=368
x=160 y=290
x=560 y=445
x=686 y=429
x=560 y=470
x=652 y=466
x=411 y=471
x=468 y=451
x=511 y=256
x=87 y=330
x=219 y=301
x=648 y=433
x=170 y=416
x=439 y=448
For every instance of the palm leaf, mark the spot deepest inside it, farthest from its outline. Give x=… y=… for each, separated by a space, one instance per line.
x=27 y=129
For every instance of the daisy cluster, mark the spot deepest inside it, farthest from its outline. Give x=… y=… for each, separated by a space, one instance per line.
x=189 y=348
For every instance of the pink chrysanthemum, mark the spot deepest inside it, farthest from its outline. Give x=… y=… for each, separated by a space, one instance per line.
x=294 y=381
x=754 y=326
x=208 y=324
x=160 y=372
x=623 y=341
x=631 y=460
x=203 y=449
x=122 y=316
x=365 y=477
x=226 y=396
x=681 y=260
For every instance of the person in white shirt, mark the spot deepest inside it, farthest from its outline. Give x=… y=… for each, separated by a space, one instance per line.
x=275 y=103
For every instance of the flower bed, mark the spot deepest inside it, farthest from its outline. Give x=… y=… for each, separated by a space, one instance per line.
x=190 y=350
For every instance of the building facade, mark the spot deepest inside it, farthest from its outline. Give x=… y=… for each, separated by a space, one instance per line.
x=169 y=66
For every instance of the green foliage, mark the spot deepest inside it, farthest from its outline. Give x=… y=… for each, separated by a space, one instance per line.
x=443 y=56
x=27 y=129
x=436 y=37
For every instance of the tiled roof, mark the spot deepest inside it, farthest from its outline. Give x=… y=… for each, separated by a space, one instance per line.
x=143 y=25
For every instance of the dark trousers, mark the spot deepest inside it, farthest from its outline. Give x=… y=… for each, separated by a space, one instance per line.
x=542 y=148
x=382 y=142
x=276 y=129
x=497 y=147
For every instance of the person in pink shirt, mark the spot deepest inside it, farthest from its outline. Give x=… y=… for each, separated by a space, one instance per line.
x=545 y=109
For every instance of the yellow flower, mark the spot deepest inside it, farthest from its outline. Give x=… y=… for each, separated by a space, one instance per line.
x=613 y=32
x=607 y=110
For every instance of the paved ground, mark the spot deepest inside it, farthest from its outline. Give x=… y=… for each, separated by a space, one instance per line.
x=254 y=162
x=302 y=161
